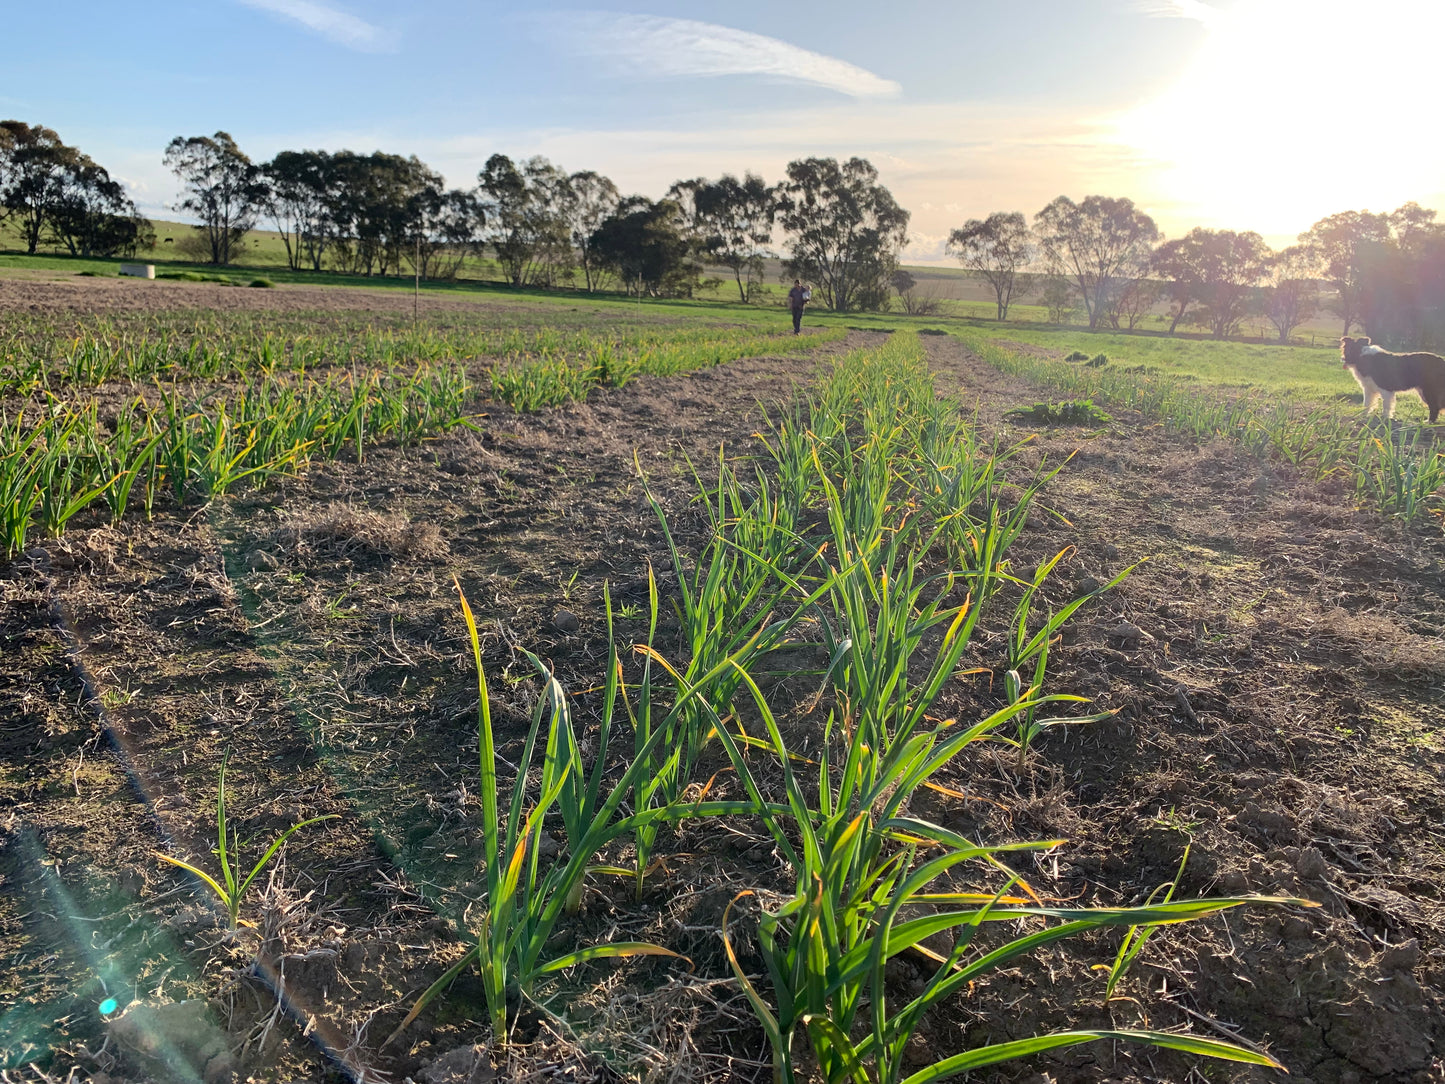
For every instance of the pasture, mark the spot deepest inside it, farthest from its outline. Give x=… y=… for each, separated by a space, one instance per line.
x=663 y=697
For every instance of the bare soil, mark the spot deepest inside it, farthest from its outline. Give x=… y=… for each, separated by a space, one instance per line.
x=1276 y=664
x=81 y=296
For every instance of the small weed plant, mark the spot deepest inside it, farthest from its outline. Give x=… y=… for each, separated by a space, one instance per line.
x=230 y=889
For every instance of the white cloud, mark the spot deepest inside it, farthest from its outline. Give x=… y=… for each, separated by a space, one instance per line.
x=339 y=26
x=660 y=47
x=926 y=248
x=1197 y=10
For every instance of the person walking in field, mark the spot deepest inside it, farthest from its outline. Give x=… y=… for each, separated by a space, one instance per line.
x=798 y=296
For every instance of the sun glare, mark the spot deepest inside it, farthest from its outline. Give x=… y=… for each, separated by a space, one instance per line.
x=1294 y=109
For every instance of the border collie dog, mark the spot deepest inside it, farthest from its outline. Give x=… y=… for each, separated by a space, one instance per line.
x=1381 y=374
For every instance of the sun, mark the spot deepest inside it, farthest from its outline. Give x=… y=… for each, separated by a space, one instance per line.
x=1294 y=109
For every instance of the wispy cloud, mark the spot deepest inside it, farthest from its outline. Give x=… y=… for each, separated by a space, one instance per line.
x=660 y=47
x=340 y=26
x=1196 y=10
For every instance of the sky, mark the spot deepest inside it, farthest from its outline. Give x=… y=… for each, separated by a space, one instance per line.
x=1247 y=114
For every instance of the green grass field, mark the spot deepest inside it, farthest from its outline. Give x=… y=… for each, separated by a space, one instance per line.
x=263 y=251
x=1297 y=371
x=1290 y=404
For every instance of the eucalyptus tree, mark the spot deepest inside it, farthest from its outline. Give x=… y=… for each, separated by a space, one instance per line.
x=845 y=230
x=997 y=248
x=683 y=194
x=646 y=244
x=1339 y=242
x=1179 y=265
x=36 y=177
x=1220 y=271
x=734 y=222
x=1133 y=302
x=527 y=209
x=446 y=228
x=593 y=198
x=95 y=217
x=552 y=198
x=1402 y=279
x=374 y=201
x=1101 y=244
x=1233 y=267
x=298 y=197
x=222 y=188
x=1292 y=294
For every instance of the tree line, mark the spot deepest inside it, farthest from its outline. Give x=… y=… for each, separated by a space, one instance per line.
x=1384 y=272
x=381 y=213
x=840 y=230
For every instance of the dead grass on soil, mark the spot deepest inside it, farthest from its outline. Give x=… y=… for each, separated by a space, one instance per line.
x=342 y=529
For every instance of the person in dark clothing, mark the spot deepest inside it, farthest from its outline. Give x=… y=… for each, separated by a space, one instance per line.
x=798 y=296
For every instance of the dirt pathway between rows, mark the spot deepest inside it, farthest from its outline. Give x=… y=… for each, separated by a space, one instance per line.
x=1279 y=707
